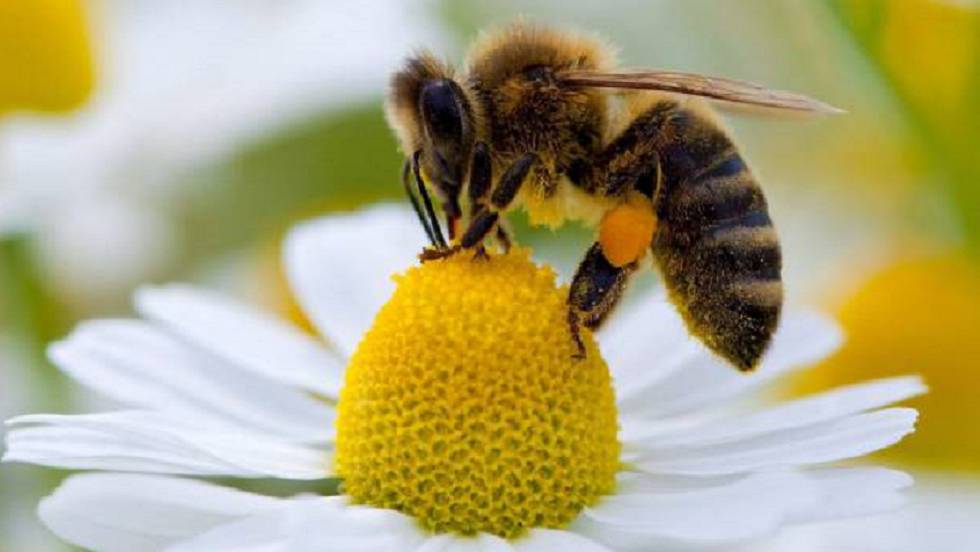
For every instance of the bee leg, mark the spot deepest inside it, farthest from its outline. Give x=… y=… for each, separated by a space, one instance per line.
x=596 y=289
x=487 y=215
x=480 y=253
x=481 y=174
x=482 y=219
x=478 y=229
x=453 y=216
x=436 y=253
x=503 y=237
x=479 y=188
x=512 y=180
x=575 y=328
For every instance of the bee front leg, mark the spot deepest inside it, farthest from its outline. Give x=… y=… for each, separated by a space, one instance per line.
x=596 y=289
x=481 y=177
x=453 y=216
x=486 y=214
x=503 y=236
x=479 y=190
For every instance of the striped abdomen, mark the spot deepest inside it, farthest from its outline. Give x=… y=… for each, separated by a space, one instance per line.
x=716 y=247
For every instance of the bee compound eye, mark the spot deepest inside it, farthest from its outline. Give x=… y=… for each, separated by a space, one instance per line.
x=441 y=113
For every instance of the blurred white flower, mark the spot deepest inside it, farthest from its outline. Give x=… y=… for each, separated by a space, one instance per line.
x=95 y=244
x=178 y=85
x=213 y=388
x=15 y=389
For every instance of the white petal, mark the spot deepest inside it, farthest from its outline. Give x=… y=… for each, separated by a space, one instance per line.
x=537 y=540
x=746 y=508
x=941 y=515
x=455 y=543
x=262 y=532
x=850 y=492
x=147 y=442
x=141 y=365
x=834 y=404
x=552 y=540
x=490 y=543
x=437 y=543
x=339 y=521
x=246 y=337
x=312 y=524
x=340 y=267
x=644 y=344
x=703 y=380
x=665 y=512
x=128 y=512
x=823 y=442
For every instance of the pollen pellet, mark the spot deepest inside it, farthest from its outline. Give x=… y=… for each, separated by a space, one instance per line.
x=626 y=232
x=464 y=407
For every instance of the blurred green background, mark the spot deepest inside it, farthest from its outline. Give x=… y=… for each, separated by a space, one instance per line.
x=142 y=142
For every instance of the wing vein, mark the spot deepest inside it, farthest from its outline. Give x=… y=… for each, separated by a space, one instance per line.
x=716 y=88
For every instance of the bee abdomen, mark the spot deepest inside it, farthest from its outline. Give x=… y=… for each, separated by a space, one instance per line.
x=720 y=256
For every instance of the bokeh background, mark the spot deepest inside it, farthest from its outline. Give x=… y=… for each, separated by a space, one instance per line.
x=144 y=141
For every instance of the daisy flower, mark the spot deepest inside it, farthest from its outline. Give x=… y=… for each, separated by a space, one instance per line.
x=448 y=404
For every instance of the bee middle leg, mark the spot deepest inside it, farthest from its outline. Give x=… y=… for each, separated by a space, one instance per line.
x=487 y=213
x=596 y=289
x=487 y=205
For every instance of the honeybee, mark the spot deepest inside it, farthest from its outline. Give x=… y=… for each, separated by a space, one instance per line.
x=543 y=119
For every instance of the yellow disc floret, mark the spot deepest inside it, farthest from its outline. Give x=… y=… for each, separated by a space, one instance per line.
x=464 y=407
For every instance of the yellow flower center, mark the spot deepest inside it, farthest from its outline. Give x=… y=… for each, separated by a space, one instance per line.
x=464 y=407
x=931 y=330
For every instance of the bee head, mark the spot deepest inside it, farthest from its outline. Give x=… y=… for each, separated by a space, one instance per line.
x=432 y=114
x=448 y=129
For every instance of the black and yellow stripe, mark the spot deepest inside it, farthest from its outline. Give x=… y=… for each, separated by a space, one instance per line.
x=716 y=246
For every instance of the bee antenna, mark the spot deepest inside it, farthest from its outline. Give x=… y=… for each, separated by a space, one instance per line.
x=436 y=236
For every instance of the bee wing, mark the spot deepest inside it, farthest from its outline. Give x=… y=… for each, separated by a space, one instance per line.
x=740 y=93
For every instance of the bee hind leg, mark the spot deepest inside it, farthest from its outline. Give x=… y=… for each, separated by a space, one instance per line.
x=596 y=289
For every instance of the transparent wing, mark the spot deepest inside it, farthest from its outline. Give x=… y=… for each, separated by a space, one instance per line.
x=717 y=88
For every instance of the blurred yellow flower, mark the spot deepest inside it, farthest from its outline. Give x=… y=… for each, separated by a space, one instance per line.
x=919 y=315
x=928 y=48
x=928 y=52
x=45 y=58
